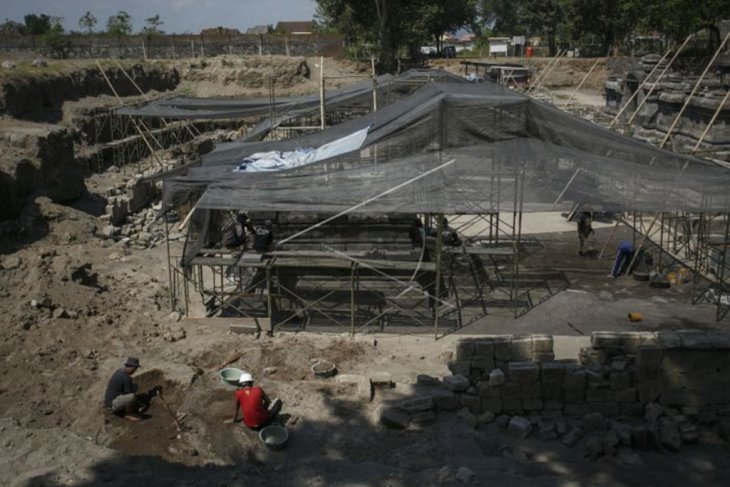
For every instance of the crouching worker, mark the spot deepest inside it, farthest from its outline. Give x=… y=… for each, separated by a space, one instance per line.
x=121 y=396
x=257 y=409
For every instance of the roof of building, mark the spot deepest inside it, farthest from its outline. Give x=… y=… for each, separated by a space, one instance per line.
x=295 y=27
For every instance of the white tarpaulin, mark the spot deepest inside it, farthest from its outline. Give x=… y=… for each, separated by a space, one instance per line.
x=277 y=161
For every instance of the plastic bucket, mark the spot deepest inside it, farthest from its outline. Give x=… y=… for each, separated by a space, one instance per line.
x=274 y=436
x=230 y=376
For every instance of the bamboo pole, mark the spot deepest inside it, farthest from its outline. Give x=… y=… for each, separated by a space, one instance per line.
x=575 y=92
x=712 y=121
x=542 y=73
x=144 y=95
x=638 y=90
x=548 y=71
x=661 y=75
x=694 y=90
x=136 y=126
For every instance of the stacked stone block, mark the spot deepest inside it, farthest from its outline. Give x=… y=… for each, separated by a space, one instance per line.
x=617 y=374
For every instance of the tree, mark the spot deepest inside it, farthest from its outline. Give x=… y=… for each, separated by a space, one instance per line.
x=119 y=24
x=153 y=25
x=56 y=43
x=677 y=18
x=87 y=22
x=12 y=27
x=388 y=25
x=38 y=24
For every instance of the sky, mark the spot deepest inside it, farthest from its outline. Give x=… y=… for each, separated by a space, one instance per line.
x=178 y=16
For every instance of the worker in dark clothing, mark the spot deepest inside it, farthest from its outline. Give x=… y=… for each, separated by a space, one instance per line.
x=623 y=258
x=234 y=235
x=450 y=236
x=121 y=396
x=263 y=237
x=585 y=229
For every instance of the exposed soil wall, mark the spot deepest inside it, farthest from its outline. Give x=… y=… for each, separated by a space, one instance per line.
x=39 y=96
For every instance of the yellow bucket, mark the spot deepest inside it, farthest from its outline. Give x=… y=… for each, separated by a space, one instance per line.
x=635 y=317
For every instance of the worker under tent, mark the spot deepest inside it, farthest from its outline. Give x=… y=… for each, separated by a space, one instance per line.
x=360 y=238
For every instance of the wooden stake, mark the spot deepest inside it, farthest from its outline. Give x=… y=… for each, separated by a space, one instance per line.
x=712 y=121
x=626 y=105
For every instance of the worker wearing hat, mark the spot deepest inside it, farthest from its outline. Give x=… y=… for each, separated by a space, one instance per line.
x=257 y=409
x=120 y=396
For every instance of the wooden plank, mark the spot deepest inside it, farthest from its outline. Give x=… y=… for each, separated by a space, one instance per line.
x=236 y=325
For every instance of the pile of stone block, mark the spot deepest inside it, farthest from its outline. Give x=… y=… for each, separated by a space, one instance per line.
x=618 y=374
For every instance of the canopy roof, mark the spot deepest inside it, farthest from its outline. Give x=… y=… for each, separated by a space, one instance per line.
x=509 y=152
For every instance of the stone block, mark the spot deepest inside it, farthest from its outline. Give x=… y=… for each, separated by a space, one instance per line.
x=620 y=380
x=593 y=448
x=364 y=386
x=392 y=417
x=445 y=400
x=648 y=391
x=530 y=391
x=492 y=404
x=426 y=380
x=691 y=362
x=626 y=395
x=474 y=403
x=593 y=357
x=668 y=432
x=524 y=372
x=468 y=417
x=486 y=417
x=485 y=390
x=459 y=367
x=575 y=409
x=640 y=436
x=599 y=395
x=511 y=390
x=483 y=362
x=552 y=405
x=630 y=342
x=543 y=357
x=416 y=404
x=574 y=397
x=605 y=408
x=464 y=350
x=575 y=380
x=547 y=432
x=719 y=341
x=381 y=379
x=496 y=377
x=695 y=340
x=456 y=383
x=553 y=372
x=668 y=340
x=648 y=363
x=464 y=475
x=605 y=339
x=542 y=344
x=688 y=432
x=484 y=348
x=573 y=436
x=521 y=348
x=502 y=350
x=423 y=418
x=520 y=427
x=532 y=405
x=512 y=405
x=552 y=390
x=561 y=425
x=593 y=422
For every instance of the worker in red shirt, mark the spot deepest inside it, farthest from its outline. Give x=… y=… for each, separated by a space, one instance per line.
x=257 y=409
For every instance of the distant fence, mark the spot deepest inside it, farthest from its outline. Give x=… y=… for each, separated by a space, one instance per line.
x=176 y=46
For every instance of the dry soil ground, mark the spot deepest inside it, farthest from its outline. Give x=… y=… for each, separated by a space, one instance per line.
x=75 y=305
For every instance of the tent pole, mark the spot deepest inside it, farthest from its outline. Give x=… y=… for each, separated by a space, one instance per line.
x=694 y=90
x=560 y=196
x=321 y=92
x=661 y=75
x=439 y=251
x=375 y=84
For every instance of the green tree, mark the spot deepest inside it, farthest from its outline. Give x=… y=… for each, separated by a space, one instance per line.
x=503 y=16
x=38 y=24
x=12 y=27
x=56 y=43
x=119 y=24
x=676 y=18
x=153 y=25
x=87 y=22
x=388 y=25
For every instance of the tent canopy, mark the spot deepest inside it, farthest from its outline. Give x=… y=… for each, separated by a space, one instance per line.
x=509 y=153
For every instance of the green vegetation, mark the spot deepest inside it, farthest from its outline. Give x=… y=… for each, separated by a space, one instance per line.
x=391 y=27
x=119 y=24
x=87 y=22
